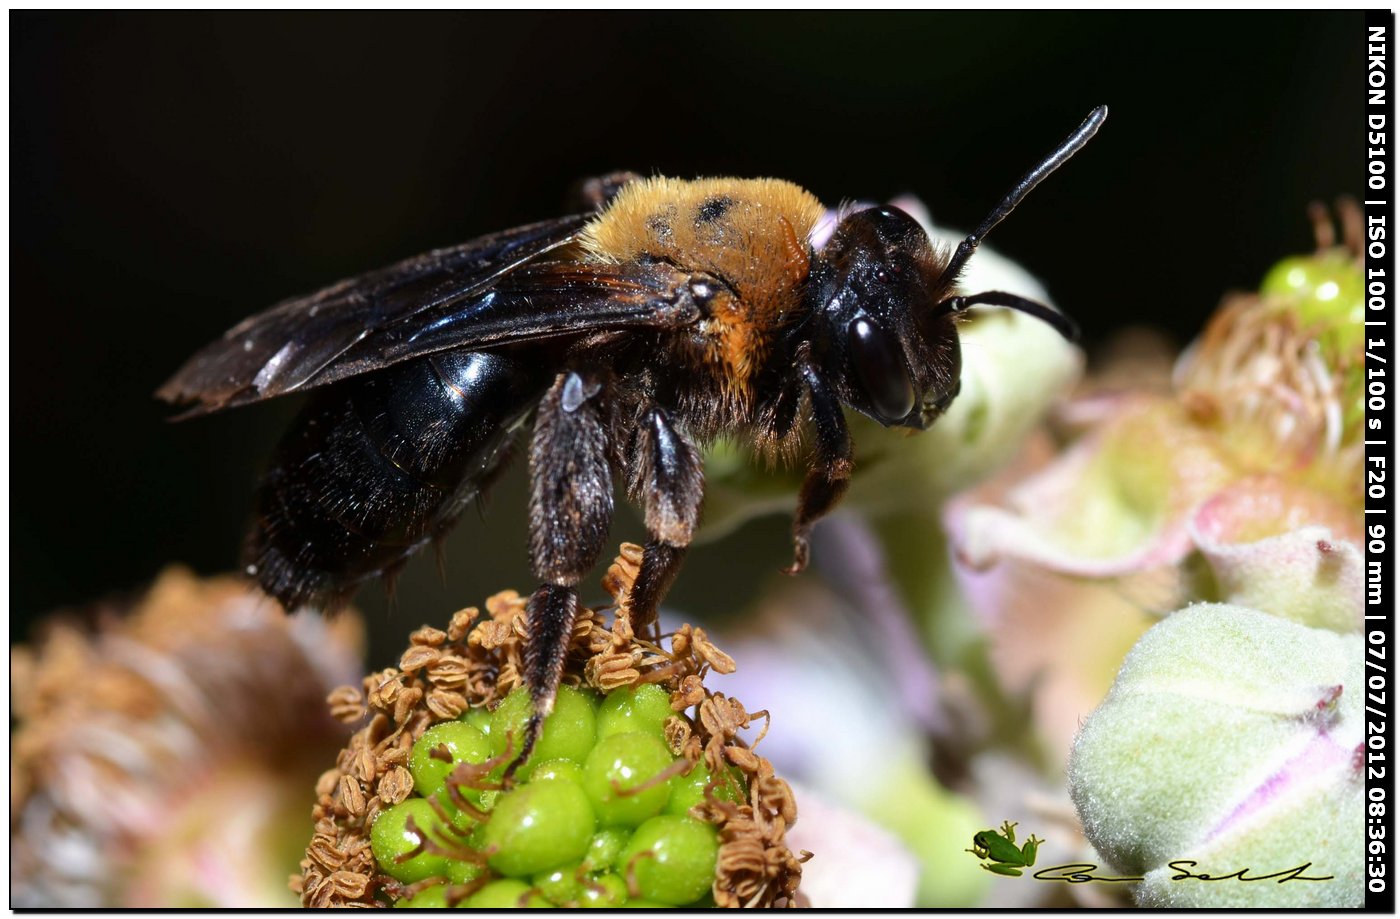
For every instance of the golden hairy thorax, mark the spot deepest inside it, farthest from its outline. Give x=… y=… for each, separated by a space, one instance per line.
x=750 y=233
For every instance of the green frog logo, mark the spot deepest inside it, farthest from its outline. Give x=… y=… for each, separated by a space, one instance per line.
x=999 y=853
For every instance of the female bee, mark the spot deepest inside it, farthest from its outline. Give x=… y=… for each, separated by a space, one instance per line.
x=624 y=338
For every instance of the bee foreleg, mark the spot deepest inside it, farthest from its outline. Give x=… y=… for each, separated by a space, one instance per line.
x=831 y=467
x=667 y=478
x=570 y=515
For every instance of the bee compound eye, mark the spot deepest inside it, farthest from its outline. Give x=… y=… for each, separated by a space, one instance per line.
x=879 y=365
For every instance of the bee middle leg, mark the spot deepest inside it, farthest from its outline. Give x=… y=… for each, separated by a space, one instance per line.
x=571 y=508
x=667 y=477
x=832 y=464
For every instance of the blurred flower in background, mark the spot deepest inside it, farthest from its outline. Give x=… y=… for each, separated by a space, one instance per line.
x=166 y=756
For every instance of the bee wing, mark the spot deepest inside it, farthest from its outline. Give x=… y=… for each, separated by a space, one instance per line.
x=475 y=293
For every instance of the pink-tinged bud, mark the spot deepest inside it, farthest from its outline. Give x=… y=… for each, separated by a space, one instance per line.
x=1265 y=554
x=1229 y=742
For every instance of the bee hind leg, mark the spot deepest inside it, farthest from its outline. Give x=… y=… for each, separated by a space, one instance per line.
x=667 y=478
x=570 y=515
x=832 y=464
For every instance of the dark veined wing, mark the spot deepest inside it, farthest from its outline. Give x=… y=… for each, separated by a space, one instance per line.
x=546 y=299
x=294 y=344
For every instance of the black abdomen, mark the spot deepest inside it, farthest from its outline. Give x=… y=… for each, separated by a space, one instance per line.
x=374 y=468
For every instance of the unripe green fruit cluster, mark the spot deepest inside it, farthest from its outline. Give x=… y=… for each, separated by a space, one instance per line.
x=599 y=797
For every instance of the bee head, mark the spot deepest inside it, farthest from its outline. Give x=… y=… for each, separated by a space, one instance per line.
x=885 y=299
x=892 y=353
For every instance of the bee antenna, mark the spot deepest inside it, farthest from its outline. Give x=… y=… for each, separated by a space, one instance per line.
x=1058 y=321
x=1055 y=160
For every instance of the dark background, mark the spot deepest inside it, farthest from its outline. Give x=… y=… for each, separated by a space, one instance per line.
x=173 y=173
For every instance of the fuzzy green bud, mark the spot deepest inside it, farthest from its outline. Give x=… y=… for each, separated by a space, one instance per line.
x=1230 y=741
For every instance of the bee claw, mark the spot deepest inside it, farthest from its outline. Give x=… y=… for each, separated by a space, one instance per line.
x=533 y=728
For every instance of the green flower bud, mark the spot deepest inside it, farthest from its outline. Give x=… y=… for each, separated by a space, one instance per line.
x=1230 y=741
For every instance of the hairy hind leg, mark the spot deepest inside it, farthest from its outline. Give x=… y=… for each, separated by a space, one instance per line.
x=570 y=515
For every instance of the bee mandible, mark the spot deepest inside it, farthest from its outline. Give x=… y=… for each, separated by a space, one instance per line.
x=625 y=338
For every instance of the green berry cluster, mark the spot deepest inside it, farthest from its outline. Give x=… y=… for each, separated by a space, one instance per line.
x=1327 y=291
x=598 y=816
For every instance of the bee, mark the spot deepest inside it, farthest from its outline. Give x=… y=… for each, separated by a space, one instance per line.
x=624 y=338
